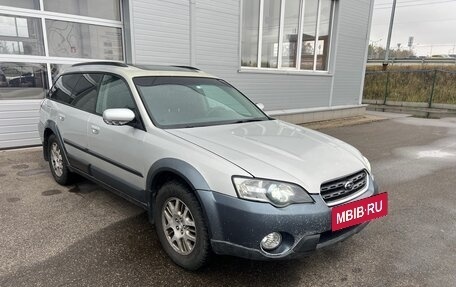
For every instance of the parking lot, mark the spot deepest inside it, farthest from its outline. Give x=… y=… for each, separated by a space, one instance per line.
x=84 y=235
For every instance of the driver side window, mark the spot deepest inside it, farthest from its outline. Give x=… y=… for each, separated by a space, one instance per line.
x=114 y=93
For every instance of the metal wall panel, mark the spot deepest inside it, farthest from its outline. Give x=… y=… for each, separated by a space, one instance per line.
x=216 y=50
x=353 y=38
x=161 y=31
x=18 y=123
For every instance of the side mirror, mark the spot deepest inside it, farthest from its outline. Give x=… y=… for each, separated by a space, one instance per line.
x=260 y=105
x=118 y=117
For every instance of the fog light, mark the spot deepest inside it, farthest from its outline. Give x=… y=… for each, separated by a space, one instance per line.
x=271 y=241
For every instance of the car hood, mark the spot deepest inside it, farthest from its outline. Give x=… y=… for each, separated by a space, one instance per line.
x=278 y=150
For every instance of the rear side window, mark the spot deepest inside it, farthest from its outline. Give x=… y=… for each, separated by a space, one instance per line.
x=114 y=94
x=77 y=90
x=85 y=92
x=61 y=91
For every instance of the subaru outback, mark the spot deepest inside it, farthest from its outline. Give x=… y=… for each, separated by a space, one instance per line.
x=215 y=173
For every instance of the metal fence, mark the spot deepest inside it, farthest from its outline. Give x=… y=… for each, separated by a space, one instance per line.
x=412 y=62
x=432 y=87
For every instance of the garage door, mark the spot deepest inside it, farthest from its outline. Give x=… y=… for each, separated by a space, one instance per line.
x=18 y=123
x=38 y=39
x=22 y=88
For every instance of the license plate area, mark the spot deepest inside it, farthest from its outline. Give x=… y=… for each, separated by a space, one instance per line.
x=359 y=211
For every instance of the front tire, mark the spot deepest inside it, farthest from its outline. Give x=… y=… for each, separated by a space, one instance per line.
x=59 y=167
x=180 y=226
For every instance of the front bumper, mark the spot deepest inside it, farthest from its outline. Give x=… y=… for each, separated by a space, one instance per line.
x=237 y=226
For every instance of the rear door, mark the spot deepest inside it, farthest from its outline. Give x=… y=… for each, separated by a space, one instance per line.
x=118 y=152
x=74 y=100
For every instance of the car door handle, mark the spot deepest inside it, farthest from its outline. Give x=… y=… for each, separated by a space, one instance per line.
x=61 y=117
x=95 y=129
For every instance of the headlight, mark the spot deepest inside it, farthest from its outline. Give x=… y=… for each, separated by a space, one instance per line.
x=277 y=193
x=368 y=164
x=369 y=168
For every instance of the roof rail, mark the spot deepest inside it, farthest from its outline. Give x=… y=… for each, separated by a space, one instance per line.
x=117 y=64
x=187 y=67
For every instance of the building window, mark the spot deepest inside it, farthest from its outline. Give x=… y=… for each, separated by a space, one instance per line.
x=106 y=9
x=78 y=40
x=22 y=81
x=323 y=35
x=270 y=33
x=21 y=36
x=309 y=32
x=39 y=28
x=250 y=26
x=26 y=4
x=290 y=33
x=286 y=34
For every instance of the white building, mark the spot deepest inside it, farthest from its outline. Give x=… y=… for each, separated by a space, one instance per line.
x=303 y=59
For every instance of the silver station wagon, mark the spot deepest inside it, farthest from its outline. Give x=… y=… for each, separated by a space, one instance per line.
x=213 y=171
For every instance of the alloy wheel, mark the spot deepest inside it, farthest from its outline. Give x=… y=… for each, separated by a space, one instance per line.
x=179 y=226
x=56 y=159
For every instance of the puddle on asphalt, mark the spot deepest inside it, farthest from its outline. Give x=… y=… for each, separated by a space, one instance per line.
x=414 y=113
x=34 y=171
x=20 y=166
x=434 y=154
x=51 y=192
x=413 y=162
x=13 y=199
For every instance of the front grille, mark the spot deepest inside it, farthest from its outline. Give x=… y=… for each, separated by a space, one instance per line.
x=336 y=190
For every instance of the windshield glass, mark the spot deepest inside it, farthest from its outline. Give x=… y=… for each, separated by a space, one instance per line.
x=178 y=102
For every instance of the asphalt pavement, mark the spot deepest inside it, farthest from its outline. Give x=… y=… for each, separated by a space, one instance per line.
x=84 y=235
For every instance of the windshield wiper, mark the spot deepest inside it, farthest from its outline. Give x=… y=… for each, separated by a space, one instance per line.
x=248 y=121
x=197 y=125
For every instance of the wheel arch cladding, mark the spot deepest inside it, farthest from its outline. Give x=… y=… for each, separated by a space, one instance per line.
x=178 y=169
x=51 y=128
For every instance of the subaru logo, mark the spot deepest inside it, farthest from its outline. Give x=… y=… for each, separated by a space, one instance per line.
x=349 y=185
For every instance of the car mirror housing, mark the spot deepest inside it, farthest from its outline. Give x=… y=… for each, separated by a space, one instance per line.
x=260 y=105
x=118 y=117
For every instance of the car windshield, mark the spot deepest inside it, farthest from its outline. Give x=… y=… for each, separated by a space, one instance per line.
x=184 y=102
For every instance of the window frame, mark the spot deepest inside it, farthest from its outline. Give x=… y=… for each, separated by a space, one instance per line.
x=36 y=2
x=43 y=8
x=37 y=68
x=48 y=94
x=98 y=87
x=42 y=15
x=165 y=127
x=139 y=123
x=48 y=50
x=40 y=34
x=126 y=84
x=289 y=70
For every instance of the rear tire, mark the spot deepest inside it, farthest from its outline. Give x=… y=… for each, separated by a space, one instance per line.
x=180 y=226
x=57 y=164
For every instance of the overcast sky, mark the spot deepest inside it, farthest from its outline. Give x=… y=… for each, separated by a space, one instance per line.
x=431 y=22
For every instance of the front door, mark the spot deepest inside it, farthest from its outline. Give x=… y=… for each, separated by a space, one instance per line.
x=118 y=152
